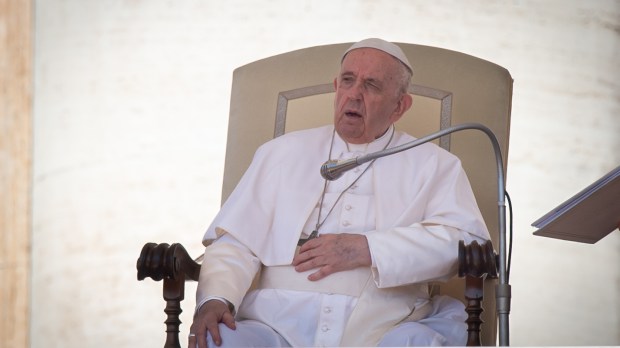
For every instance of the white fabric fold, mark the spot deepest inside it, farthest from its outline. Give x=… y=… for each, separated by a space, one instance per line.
x=271 y=204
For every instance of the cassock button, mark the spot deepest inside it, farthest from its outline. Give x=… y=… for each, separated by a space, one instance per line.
x=346 y=223
x=327 y=310
x=348 y=207
x=324 y=328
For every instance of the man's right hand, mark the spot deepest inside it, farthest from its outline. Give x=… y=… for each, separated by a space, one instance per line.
x=208 y=317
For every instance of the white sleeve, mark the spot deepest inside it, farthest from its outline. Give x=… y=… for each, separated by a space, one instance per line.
x=227 y=271
x=416 y=254
x=441 y=210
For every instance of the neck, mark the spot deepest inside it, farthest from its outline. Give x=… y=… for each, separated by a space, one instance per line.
x=358 y=142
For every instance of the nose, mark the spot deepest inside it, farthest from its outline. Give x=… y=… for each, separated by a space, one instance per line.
x=355 y=92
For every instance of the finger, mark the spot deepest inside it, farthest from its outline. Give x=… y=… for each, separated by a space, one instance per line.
x=321 y=273
x=200 y=339
x=309 y=263
x=229 y=320
x=302 y=257
x=199 y=331
x=214 y=330
x=310 y=244
x=192 y=338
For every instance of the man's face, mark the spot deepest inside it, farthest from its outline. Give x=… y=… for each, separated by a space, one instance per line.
x=368 y=98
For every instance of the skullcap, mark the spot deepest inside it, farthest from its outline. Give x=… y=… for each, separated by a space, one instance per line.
x=382 y=45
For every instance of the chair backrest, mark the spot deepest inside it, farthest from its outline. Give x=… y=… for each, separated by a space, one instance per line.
x=294 y=91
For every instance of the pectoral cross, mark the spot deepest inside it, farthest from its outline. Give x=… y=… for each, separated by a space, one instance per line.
x=312 y=235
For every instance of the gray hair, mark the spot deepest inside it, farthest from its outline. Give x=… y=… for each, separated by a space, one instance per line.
x=403 y=78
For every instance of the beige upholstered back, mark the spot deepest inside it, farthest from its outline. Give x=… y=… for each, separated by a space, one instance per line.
x=294 y=91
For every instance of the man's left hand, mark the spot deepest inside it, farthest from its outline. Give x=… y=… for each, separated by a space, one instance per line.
x=332 y=253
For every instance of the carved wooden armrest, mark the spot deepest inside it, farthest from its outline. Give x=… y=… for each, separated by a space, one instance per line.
x=173 y=264
x=164 y=261
x=476 y=262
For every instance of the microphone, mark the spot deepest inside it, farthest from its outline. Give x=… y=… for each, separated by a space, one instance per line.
x=332 y=170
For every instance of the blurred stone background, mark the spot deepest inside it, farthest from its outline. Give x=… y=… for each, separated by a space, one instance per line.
x=130 y=105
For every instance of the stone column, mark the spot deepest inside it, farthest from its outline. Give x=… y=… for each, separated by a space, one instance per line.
x=15 y=169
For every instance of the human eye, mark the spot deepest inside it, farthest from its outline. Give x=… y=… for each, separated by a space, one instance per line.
x=373 y=85
x=346 y=79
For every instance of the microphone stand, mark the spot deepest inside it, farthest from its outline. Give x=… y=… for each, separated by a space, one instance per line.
x=332 y=170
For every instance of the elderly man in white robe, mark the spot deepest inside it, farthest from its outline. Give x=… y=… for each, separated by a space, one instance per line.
x=295 y=260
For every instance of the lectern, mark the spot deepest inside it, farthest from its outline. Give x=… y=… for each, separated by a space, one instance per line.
x=588 y=216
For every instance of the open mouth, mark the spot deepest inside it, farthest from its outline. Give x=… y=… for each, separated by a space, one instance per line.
x=353 y=114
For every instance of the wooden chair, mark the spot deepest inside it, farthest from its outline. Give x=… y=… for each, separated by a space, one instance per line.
x=294 y=91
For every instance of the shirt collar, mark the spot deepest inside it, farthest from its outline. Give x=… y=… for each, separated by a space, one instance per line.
x=341 y=147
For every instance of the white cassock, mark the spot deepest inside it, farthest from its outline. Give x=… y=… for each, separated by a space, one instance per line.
x=413 y=207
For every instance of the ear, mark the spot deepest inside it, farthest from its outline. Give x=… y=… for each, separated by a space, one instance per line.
x=335 y=83
x=402 y=106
